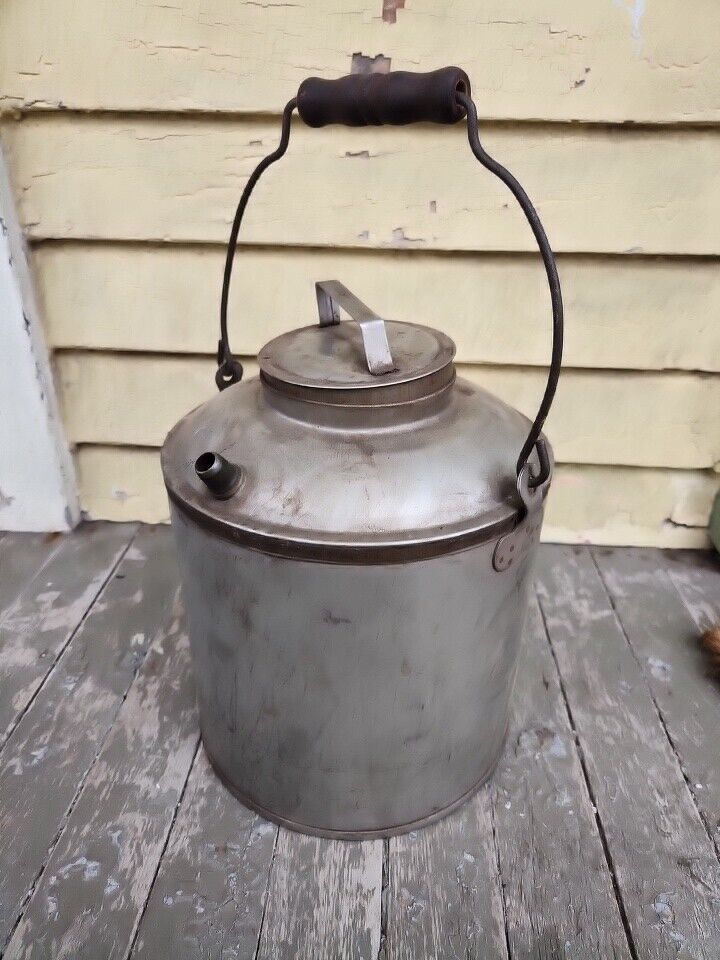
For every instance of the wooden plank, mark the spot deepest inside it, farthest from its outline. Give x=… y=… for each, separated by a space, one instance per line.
x=558 y=890
x=45 y=761
x=90 y=897
x=209 y=895
x=38 y=490
x=46 y=614
x=646 y=507
x=598 y=417
x=22 y=557
x=588 y=61
x=629 y=505
x=663 y=635
x=443 y=894
x=697 y=579
x=158 y=178
x=627 y=313
x=323 y=897
x=666 y=867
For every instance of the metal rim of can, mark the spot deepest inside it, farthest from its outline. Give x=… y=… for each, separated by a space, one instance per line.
x=488 y=530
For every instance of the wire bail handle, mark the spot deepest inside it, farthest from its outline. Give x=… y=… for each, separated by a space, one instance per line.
x=398 y=98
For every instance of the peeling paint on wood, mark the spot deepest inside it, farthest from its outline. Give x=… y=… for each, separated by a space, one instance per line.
x=646 y=65
x=363 y=64
x=323 y=899
x=697 y=579
x=153 y=864
x=57 y=740
x=22 y=557
x=666 y=866
x=209 y=897
x=44 y=617
x=558 y=889
x=663 y=636
x=89 y=899
x=390 y=9
x=443 y=894
x=179 y=179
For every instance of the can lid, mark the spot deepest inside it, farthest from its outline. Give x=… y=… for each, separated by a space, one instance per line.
x=367 y=362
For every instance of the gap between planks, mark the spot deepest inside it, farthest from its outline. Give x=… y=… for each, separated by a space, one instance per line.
x=591 y=793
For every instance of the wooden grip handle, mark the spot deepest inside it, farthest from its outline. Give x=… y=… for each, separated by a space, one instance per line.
x=396 y=98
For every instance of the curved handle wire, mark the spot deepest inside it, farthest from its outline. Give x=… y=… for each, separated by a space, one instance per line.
x=230 y=370
x=553 y=281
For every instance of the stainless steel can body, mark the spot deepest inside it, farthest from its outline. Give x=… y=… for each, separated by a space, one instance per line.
x=355 y=551
x=350 y=699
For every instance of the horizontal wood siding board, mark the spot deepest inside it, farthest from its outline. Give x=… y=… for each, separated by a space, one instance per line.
x=623 y=313
x=592 y=60
x=598 y=417
x=598 y=190
x=610 y=505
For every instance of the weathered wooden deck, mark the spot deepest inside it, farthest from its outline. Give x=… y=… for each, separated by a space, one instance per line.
x=598 y=837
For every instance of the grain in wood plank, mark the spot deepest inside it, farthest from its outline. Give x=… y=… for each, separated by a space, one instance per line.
x=696 y=576
x=44 y=762
x=47 y=612
x=443 y=896
x=90 y=897
x=585 y=61
x=558 y=889
x=664 y=863
x=323 y=899
x=22 y=556
x=663 y=636
x=178 y=179
x=208 y=899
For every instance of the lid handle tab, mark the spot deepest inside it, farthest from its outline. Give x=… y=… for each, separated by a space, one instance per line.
x=331 y=296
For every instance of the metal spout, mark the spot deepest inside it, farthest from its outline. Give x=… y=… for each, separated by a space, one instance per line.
x=221 y=477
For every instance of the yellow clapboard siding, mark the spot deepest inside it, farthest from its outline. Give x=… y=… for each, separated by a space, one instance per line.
x=593 y=60
x=644 y=507
x=638 y=419
x=634 y=313
x=597 y=189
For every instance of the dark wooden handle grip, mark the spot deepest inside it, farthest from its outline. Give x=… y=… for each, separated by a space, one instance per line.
x=374 y=99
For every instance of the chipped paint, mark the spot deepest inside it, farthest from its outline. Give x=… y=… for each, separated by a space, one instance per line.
x=362 y=64
x=36 y=472
x=390 y=9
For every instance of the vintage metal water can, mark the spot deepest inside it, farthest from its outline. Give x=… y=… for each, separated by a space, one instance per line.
x=356 y=528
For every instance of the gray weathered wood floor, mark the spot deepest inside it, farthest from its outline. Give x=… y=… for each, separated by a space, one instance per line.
x=598 y=836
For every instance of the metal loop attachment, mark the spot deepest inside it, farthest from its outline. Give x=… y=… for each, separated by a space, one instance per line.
x=515 y=546
x=331 y=295
x=229 y=369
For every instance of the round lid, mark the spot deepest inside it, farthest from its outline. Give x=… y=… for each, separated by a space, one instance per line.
x=369 y=361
